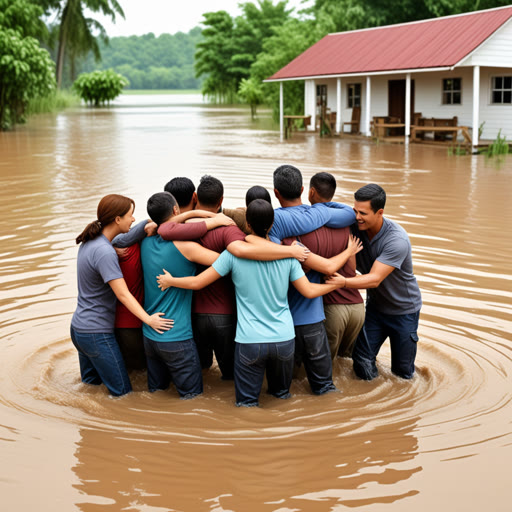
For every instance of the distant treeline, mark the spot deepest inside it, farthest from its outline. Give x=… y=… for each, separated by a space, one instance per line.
x=150 y=62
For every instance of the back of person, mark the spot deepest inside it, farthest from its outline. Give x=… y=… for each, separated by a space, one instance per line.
x=157 y=254
x=219 y=297
x=261 y=289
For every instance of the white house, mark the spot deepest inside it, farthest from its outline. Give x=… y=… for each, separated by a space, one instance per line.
x=453 y=66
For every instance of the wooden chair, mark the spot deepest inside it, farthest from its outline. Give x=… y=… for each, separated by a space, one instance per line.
x=354 y=123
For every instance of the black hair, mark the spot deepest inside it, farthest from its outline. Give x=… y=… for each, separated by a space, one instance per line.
x=260 y=216
x=288 y=181
x=373 y=193
x=182 y=189
x=324 y=183
x=210 y=191
x=257 y=192
x=160 y=207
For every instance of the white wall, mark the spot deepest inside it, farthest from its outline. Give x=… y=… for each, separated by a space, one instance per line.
x=496 y=51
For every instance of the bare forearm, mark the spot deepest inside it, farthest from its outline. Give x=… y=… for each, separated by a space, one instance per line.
x=133 y=306
x=328 y=265
x=257 y=248
x=363 y=282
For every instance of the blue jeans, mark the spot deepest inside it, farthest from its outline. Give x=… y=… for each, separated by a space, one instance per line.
x=101 y=361
x=177 y=361
x=216 y=333
x=402 y=331
x=251 y=361
x=312 y=348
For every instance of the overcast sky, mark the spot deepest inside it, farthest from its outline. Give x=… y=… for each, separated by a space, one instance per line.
x=169 y=16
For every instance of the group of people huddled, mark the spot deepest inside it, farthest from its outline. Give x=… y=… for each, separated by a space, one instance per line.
x=171 y=292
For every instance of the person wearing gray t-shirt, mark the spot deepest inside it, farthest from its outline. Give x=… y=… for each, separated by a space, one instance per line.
x=393 y=297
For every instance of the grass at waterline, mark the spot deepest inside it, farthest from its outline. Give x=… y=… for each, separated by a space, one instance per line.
x=59 y=100
x=160 y=91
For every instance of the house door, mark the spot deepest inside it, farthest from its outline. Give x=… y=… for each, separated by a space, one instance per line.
x=396 y=103
x=321 y=103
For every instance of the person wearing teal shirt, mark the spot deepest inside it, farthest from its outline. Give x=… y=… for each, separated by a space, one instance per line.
x=265 y=338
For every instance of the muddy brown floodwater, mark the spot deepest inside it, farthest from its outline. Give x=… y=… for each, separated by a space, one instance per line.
x=440 y=442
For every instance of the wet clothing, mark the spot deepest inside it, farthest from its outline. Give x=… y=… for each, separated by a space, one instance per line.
x=264 y=333
x=171 y=355
x=392 y=309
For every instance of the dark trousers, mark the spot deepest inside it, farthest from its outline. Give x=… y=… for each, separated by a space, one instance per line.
x=216 y=334
x=131 y=344
x=312 y=349
x=402 y=331
x=251 y=362
x=177 y=361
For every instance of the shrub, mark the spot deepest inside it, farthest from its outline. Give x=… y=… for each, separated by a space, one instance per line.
x=100 y=87
x=251 y=92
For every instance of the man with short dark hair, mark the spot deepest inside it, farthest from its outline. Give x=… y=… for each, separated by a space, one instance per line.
x=183 y=190
x=393 y=297
x=343 y=308
x=311 y=344
x=171 y=355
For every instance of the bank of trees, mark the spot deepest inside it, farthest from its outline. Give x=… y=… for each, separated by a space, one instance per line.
x=268 y=35
x=150 y=62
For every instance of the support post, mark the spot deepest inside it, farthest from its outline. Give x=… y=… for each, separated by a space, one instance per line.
x=313 y=113
x=368 y=103
x=281 y=111
x=407 y=107
x=476 y=105
x=338 y=105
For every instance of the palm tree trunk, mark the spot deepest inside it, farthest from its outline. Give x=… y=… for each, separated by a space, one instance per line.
x=61 y=53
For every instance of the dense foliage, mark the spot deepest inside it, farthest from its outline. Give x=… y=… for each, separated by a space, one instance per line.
x=149 y=62
x=26 y=70
x=99 y=87
x=268 y=36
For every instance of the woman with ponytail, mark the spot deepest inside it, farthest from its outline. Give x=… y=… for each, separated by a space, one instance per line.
x=100 y=283
x=265 y=336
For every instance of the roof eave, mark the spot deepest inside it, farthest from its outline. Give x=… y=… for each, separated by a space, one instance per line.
x=359 y=73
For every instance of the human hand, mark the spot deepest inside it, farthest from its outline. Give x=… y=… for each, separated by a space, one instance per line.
x=354 y=244
x=151 y=228
x=164 y=280
x=336 y=279
x=160 y=324
x=121 y=251
x=300 y=251
x=224 y=220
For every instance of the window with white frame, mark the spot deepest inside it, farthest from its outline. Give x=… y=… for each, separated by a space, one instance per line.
x=502 y=90
x=353 y=95
x=452 y=92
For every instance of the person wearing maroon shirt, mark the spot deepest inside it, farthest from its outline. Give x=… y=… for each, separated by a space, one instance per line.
x=214 y=307
x=344 y=308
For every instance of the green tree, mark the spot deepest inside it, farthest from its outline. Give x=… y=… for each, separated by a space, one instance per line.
x=76 y=36
x=26 y=69
x=213 y=57
x=294 y=37
x=251 y=92
x=100 y=87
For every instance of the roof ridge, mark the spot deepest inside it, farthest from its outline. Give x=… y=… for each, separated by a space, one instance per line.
x=428 y=20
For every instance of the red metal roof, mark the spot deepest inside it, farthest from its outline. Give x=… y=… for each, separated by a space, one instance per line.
x=440 y=42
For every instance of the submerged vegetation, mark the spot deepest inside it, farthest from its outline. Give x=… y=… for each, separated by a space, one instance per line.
x=53 y=102
x=99 y=87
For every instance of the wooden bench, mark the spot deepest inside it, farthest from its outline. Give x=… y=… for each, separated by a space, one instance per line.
x=417 y=131
x=381 y=126
x=290 y=120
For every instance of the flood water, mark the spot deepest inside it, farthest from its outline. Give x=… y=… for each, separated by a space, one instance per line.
x=442 y=441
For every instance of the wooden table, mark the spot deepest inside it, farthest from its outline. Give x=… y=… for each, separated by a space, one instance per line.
x=288 y=127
